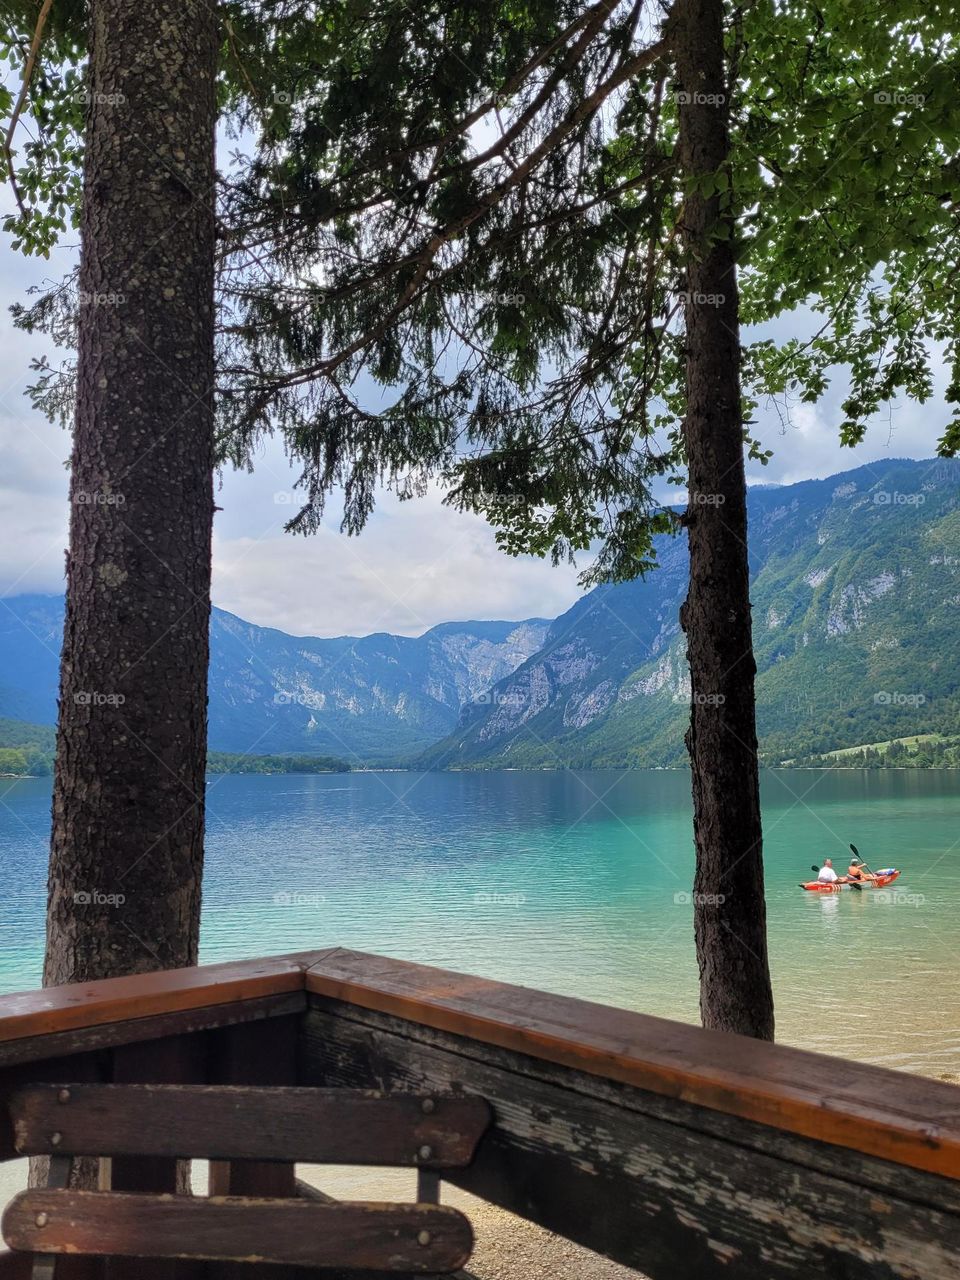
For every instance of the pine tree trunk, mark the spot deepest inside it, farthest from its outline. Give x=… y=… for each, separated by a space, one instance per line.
x=729 y=907
x=128 y=805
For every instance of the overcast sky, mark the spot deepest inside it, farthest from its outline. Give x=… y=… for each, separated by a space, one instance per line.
x=416 y=564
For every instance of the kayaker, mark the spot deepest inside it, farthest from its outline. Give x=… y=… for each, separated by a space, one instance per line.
x=827 y=874
x=854 y=871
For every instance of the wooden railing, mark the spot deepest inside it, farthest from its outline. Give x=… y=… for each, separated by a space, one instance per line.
x=678 y=1151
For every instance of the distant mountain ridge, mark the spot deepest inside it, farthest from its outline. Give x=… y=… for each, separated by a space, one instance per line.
x=367 y=698
x=855 y=582
x=856 y=605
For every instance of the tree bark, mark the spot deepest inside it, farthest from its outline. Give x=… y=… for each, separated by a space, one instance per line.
x=729 y=906
x=128 y=805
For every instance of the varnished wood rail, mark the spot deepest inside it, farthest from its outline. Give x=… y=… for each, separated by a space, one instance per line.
x=671 y=1149
x=907 y=1119
x=29 y=1016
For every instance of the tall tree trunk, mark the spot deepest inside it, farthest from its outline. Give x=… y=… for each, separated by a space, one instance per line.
x=729 y=907
x=128 y=805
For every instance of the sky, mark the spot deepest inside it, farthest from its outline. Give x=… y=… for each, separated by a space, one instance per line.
x=416 y=564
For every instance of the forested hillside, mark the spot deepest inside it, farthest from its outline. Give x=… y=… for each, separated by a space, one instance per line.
x=856 y=605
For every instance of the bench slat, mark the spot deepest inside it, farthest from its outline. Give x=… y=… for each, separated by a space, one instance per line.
x=419 y=1239
x=236 y=1122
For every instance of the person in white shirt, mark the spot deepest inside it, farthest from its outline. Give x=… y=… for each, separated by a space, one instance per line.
x=827 y=874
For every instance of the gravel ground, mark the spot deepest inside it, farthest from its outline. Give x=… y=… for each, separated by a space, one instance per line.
x=507 y=1247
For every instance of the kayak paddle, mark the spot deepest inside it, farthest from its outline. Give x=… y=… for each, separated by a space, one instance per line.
x=856 y=854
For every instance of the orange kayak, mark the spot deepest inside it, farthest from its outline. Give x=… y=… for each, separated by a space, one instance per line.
x=867 y=882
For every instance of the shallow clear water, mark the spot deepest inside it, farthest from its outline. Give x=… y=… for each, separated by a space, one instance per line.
x=574 y=882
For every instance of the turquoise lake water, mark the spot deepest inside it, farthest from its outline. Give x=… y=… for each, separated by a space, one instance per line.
x=573 y=882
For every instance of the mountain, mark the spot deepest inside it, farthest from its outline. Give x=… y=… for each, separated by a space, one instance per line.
x=369 y=698
x=856 y=605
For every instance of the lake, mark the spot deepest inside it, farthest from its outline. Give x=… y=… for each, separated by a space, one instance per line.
x=576 y=882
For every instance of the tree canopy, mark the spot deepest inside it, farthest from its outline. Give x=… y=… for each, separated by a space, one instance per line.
x=449 y=243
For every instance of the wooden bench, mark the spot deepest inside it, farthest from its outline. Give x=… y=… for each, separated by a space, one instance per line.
x=217 y=1122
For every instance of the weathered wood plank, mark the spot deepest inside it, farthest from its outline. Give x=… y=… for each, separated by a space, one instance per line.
x=132 y=1168
x=173 y=1058
x=261 y=1055
x=80 y=1066
x=309 y=1192
x=893 y=1116
x=86 y=1004
x=668 y=1197
x=234 y=1122
x=866 y=1171
x=412 y=1238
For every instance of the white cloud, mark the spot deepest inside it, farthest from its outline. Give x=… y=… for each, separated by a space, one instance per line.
x=415 y=565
